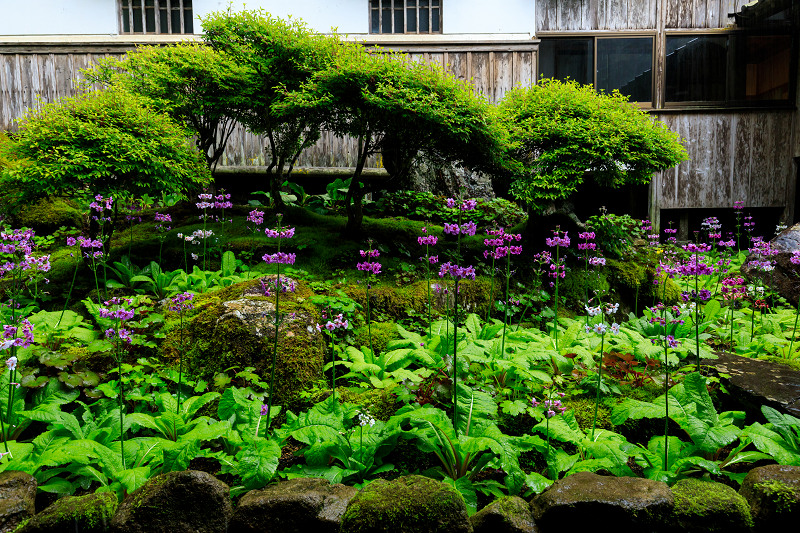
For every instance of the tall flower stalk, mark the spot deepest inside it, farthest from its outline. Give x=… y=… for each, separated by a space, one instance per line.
x=180 y=304
x=601 y=328
x=695 y=266
x=371 y=268
x=550 y=408
x=559 y=240
x=103 y=219
x=795 y=260
x=278 y=258
x=205 y=204
x=504 y=249
x=331 y=327
x=457 y=273
x=162 y=219
x=19 y=334
x=116 y=309
x=427 y=241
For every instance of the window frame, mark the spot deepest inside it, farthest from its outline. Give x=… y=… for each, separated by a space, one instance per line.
x=729 y=101
x=169 y=6
x=405 y=7
x=594 y=37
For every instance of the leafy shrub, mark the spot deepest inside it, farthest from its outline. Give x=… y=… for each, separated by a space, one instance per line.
x=614 y=234
x=106 y=142
x=427 y=206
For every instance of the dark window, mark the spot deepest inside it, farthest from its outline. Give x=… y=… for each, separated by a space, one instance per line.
x=156 y=16
x=696 y=68
x=739 y=68
x=624 y=63
x=405 y=16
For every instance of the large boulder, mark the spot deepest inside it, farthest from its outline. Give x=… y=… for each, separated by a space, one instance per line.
x=409 y=504
x=584 y=500
x=174 y=502
x=295 y=506
x=90 y=513
x=17 y=499
x=773 y=492
x=705 y=506
x=511 y=514
x=236 y=327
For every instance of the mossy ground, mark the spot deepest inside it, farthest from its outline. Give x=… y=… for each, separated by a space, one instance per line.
x=707 y=506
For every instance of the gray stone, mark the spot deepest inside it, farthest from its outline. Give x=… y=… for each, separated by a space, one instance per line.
x=585 y=500
x=754 y=383
x=705 y=506
x=295 y=506
x=409 y=504
x=175 y=502
x=773 y=492
x=17 y=499
x=511 y=514
x=785 y=275
x=90 y=513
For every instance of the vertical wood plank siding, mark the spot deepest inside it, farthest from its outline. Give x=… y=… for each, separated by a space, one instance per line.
x=48 y=74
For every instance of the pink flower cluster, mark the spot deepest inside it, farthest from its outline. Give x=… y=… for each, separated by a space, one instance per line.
x=456 y=271
x=468 y=228
x=339 y=322
x=101 y=204
x=162 y=219
x=11 y=332
x=551 y=407
x=115 y=308
x=501 y=243
x=222 y=201
x=558 y=240
x=466 y=205
x=180 y=303
x=370 y=267
x=204 y=202
x=279 y=233
x=279 y=258
x=256 y=217
x=587 y=237
x=286 y=285
x=733 y=288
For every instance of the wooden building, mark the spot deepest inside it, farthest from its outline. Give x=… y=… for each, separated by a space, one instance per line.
x=721 y=73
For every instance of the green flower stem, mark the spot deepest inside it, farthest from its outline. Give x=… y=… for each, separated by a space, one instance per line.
x=697 y=316
x=505 y=307
x=369 y=321
x=455 y=358
x=69 y=293
x=277 y=327
x=794 y=330
x=491 y=296
x=555 y=317
x=180 y=367
x=599 y=382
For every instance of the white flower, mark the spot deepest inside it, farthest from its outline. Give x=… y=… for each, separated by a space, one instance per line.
x=195 y=257
x=600 y=328
x=11 y=362
x=614 y=328
x=612 y=308
x=593 y=311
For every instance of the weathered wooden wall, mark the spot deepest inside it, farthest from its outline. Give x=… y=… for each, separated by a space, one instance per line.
x=579 y=15
x=31 y=73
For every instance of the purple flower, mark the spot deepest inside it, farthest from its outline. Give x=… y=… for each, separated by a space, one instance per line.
x=179 y=302
x=256 y=217
x=71 y=241
x=558 y=240
x=456 y=271
x=451 y=203
x=279 y=257
x=264 y=410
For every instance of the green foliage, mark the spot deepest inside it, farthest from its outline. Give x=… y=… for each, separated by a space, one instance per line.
x=426 y=206
x=108 y=142
x=614 y=234
x=196 y=85
x=561 y=130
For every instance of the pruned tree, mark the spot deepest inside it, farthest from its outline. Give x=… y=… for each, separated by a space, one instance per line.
x=282 y=55
x=403 y=109
x=562 y=132
x=203 y=88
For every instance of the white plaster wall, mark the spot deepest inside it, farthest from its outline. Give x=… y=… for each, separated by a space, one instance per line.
x=57 y=17
x=96 y=17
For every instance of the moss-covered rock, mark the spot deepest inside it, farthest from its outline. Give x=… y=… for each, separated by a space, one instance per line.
x=17 y=498
x=381 y=332
x=235 y=327
x=707 y=506
x=409 y=504
x=379 y=403
x=511 y=514
x=91 y=513
x=176 y=501
x=584 y=500
x=295 y=506
x=773 y=492
x=48 y=214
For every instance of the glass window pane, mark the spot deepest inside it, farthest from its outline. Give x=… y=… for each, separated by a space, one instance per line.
x=176 y=21
x=386 y=22
x=696 y=68
x=150 y=16
x=137 y=18
x=375 y=25
x=398 y=21
x=188 y=23
x=761 y=67
x=567 y=58
x=435 y=20
x=411 y=20
x=626 y=64
x=163 y=19
x=424 y=26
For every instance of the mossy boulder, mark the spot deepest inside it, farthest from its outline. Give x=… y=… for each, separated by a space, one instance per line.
x=295 y=506
x=176 y=501
x=584 y=500
x=705 y=506
x=381 y=332
x=409 y=504
x=511 y=514
x=17 y=498
x=48 y=214
x=90 y=513
x=235 y=327
x=773 y=492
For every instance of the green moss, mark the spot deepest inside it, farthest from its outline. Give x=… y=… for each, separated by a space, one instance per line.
x=380 y=403
x=48 y=214
x=382 y=334
x=573 y=286
x=791 y=363
x=627 y=273
x=583 y=409
x=89 y=513
x=708 y=506
x=780 y=495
